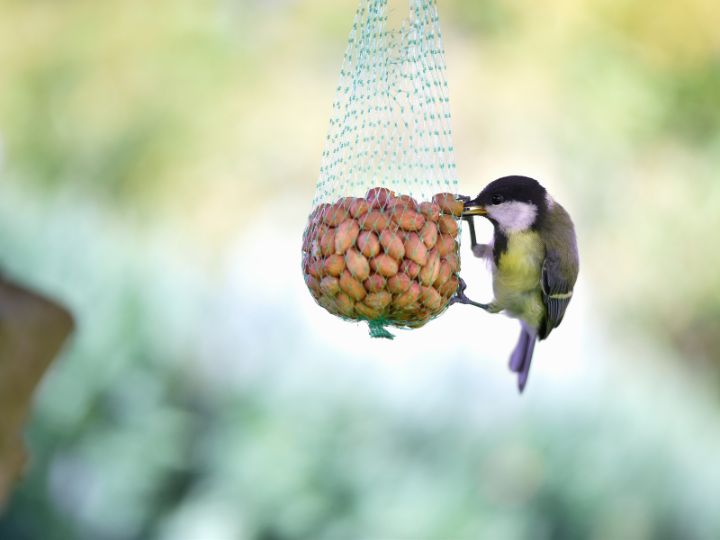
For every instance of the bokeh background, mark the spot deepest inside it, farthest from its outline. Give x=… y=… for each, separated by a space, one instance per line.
x=157 y=164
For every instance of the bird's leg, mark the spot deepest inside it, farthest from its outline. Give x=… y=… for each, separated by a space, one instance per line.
x=479 y=250
x=460 y=298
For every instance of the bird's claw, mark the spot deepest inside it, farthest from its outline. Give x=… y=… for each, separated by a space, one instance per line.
x=460 y=298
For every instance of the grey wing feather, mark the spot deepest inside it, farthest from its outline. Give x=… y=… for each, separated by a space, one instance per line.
x=559 y=270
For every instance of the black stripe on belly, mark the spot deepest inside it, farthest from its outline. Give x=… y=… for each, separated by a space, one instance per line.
x=500 y=245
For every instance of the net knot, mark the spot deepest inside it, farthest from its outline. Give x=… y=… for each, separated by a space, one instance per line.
x=378 y=330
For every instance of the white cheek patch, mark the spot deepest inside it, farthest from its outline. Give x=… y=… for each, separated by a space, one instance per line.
x=513 y=216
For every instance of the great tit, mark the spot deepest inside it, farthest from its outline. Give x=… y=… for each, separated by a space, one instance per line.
x=533 y=256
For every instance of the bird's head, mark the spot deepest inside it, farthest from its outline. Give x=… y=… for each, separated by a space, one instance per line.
x=512 y=203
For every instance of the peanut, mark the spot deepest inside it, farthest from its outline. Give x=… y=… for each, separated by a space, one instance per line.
x=445 y=244
x=335 y=215
x=375 y=283
x=431 y=298
x=448 y=225
x=345 y=304
x=443 y=275
x=352 y=287
x=408 y=297
x=402 y=202
x=316 y=216
x=373 y=221
x=345 y=235
x=384 y=265
x=327 y=242
x=357 y=264
x=399 y=283
x=379 y=300
x=366 y=312
x=312 y=284
x=409 y=220
x=315 y=268
x=430 y=271
x=415 y=249
x=448 y=288
x=411 y=268
x=329 y=304
x=330 y=286
x=454 y=261
x=393 y=244
x=430 y=210
x=429 y=234
x=359 y=207
x=378 y=197
x=448 y=204
x=334 y=265
x=368 y=244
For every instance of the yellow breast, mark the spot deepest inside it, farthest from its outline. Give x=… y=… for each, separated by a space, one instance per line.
x=516 y=281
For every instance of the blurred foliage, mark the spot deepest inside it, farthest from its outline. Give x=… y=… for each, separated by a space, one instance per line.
x=140 y=146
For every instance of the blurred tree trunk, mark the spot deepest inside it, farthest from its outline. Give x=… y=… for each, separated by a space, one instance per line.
x=32 y=330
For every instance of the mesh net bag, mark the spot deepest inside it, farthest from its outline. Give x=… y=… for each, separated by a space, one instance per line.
x=382 y=240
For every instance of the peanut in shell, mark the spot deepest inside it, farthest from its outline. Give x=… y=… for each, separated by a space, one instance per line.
x=399 y=283
x=375 y=220
x=409 y=220
x=448 y=288
x=366 y=311
x=429 y=234
x=415 y=249
x=335 y=215
x=411 y=268
x=430 y=298
x=330 y=285
x=368 y=244
x=408 y=297
x=431 y=211
x=443 y=275
x=359 y=207
x=375 y=283
x=448 y=225
x=345 y=304
x=429 y=272
x=327 y=242
x=379 y=300
x=384 y=265
x=357 y=264
x=448 y=204
x=446 y=244
x=378 y=197
x=352 y=287
x=334 y=265
x=346 y=235
x=392 y=244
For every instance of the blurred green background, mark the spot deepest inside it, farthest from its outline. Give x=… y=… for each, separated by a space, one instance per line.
x=157 y=164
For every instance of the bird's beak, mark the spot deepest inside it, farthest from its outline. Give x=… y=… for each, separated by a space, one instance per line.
x=472 y=208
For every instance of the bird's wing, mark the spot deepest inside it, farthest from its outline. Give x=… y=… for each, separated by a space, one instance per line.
x=559 y=269
x=556 y=293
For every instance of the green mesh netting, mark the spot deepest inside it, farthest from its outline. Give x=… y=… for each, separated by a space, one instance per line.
x=382 y=240
x=390 y=123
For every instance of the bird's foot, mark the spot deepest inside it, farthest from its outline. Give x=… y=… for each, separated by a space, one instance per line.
x=460 y=298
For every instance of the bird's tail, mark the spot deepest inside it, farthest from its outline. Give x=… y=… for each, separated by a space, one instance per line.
x=521 y=357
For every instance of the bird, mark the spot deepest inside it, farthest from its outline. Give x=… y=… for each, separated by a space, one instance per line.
x=533 y=259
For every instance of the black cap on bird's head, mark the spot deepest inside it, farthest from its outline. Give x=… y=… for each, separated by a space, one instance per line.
x=512 y=202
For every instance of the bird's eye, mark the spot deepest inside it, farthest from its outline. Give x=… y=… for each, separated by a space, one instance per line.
x=497 y=198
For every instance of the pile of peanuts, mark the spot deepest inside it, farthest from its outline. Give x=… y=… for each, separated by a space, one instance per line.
x=383 y=257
